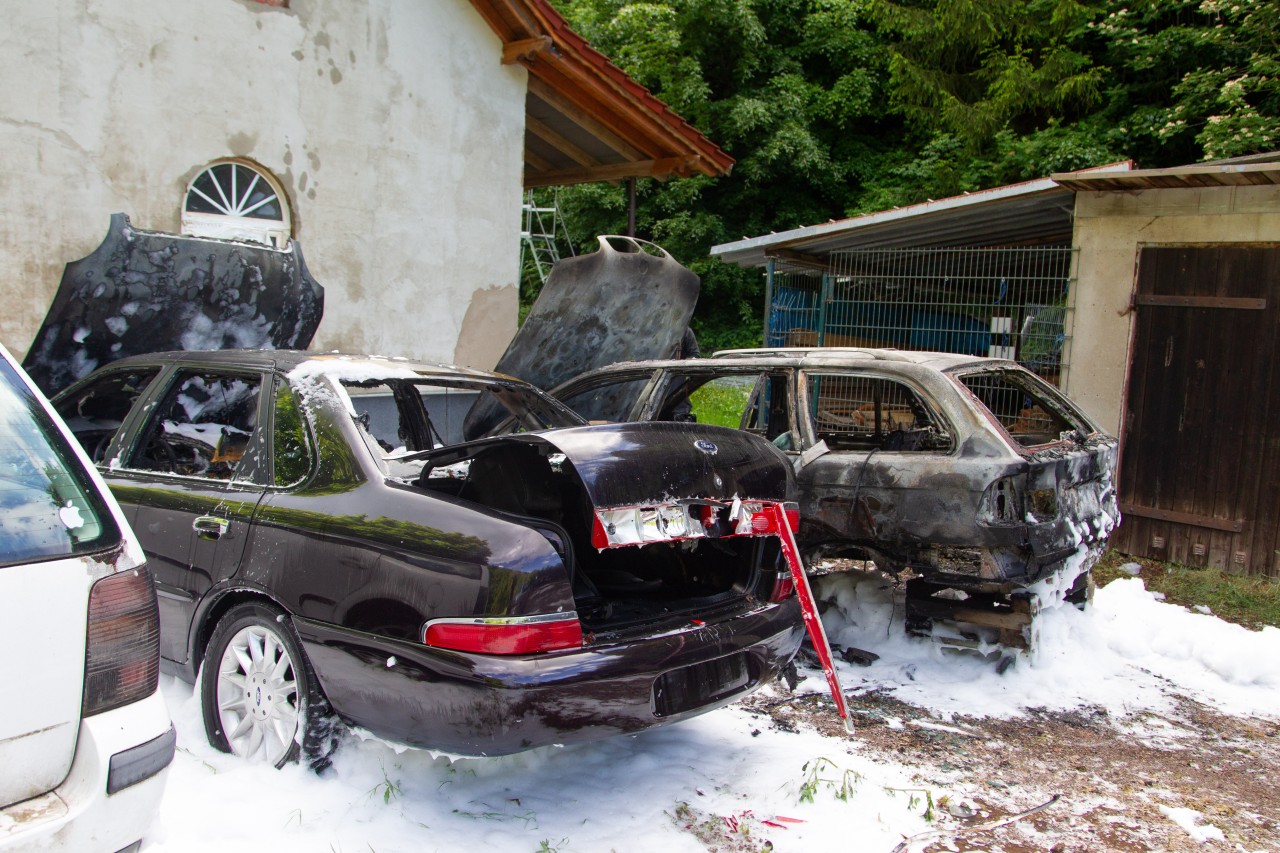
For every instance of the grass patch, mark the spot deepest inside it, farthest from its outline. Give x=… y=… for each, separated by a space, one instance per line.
x=721 y=404
x=1249 y=600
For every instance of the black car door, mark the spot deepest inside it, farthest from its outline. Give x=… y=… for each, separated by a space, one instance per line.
x=191 y=479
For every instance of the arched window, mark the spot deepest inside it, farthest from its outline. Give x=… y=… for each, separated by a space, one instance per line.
x=237 y=200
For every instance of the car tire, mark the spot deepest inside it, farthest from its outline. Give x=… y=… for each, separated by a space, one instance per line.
x=258 y=693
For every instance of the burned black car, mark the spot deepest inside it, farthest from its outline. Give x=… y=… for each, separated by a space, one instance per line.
x=325 y=546
x=973 y=479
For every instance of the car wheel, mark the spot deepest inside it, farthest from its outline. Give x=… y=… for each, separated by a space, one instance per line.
x=258 y=693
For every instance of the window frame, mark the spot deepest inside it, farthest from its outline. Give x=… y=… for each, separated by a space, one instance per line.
x=805 y=402
x=248 y=472
x=226 y=225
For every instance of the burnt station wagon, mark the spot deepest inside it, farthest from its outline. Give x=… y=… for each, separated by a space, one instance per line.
x=971 y=477
x=327 y=547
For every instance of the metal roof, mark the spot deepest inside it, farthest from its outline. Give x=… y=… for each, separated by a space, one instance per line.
x=1258 y=170
x=1035 y=212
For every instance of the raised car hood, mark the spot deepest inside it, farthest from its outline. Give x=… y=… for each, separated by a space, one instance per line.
x=598 y=309
x=641 y=463
x=147 y=291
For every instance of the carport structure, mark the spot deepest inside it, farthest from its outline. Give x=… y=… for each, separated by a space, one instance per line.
x=1152 y=297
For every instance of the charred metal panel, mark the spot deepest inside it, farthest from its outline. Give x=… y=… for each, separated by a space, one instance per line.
x=598 y=309
x=147 y=291
x=631 y=464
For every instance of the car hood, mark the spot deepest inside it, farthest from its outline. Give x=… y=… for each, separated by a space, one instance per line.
x=594 y=310
x=638 y=463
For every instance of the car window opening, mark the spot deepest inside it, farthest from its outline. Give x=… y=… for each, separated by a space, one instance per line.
x=1030 y=415
x=857 y=412
x=202 y=427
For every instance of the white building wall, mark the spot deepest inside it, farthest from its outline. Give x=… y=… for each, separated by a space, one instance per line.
x=1111 y=229
x=393 y=125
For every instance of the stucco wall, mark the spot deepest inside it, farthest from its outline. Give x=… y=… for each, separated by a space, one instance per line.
x=393 y=125
x=1110 y=230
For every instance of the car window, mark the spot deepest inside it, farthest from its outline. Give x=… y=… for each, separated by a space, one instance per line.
x=860 y=412
x=291 y=450
x=49 y=507
x=95 y=412
x=401 y=418
x=202 y=426
x=607 y=400
x=1031 y=413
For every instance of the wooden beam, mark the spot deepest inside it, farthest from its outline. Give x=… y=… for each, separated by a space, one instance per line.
x=539 y=164
x=1237 y=303
x=581 y=118
x=636 y=169
x=1225 y=524
x=555 y=140
x=525 y=49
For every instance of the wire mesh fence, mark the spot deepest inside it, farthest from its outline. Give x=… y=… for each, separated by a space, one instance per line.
x=1004 y=303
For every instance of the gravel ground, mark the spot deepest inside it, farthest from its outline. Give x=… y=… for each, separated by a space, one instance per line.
x=1120 y=783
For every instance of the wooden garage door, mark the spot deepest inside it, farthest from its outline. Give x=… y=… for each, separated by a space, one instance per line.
x=1200 y=458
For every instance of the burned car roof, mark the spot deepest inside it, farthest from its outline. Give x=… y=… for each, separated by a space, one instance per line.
x=558 y=583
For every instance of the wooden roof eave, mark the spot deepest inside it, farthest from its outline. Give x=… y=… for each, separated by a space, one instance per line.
x=648 y=138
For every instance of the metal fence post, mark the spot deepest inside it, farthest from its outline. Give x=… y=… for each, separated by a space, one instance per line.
x=824 y=297
x=768 y=301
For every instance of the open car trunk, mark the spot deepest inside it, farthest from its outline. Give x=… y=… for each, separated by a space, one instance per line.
x=653 y=521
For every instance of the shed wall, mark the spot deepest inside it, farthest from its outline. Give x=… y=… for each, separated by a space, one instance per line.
x=1111 y=228
x=392 y=124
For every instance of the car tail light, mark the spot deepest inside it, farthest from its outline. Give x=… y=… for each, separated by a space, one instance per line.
x=641 y=525
x=1002 y=503
x=784 y=586
x=793 y=516
x=506 y=636
x=122 y=651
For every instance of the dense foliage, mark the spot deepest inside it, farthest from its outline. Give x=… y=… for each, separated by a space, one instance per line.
x=838 y=107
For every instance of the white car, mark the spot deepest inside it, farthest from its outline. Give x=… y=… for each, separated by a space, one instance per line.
x=85 y=737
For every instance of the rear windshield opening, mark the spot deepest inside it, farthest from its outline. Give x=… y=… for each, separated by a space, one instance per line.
x=400 y=418
x=1030 y=414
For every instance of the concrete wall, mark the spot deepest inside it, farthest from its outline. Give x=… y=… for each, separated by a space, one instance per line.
x=1111 y=228
x=393 y=125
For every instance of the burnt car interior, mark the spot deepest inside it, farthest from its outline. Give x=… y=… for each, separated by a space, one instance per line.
x=1029 y=418
x=860 y=412
x=536 y=486
x=97 y=412
x=203 y=428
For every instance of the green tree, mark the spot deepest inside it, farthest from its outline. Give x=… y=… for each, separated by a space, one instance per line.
x=837 y=107
x=794 y=91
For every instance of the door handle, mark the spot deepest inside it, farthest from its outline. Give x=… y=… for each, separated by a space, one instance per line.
x=210 y=526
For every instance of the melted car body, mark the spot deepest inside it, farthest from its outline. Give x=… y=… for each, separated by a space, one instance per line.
x=962 y=473
x=459 y=595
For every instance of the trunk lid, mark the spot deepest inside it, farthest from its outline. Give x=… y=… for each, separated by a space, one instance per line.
x=635 y=463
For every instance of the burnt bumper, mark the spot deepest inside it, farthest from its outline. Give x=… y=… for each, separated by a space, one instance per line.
x=472 y=704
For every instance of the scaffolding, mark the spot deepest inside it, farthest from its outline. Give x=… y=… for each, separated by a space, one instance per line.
x=541 y=225
x=1003 y=303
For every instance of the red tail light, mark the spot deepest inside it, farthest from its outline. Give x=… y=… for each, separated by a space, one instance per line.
x=784 y=586
x=509 y=636
x=122 y=653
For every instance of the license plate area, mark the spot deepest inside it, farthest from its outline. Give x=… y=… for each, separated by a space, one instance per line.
x=691 y=687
